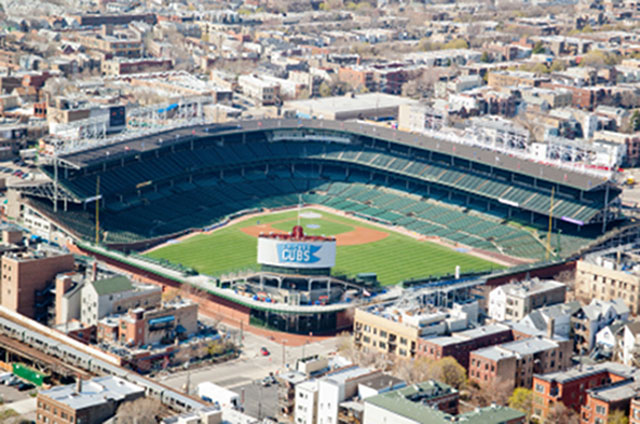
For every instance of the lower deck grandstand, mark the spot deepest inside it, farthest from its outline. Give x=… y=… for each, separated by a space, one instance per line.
x=202 y=203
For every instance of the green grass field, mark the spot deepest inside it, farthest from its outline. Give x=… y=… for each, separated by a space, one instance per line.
x=394 y=258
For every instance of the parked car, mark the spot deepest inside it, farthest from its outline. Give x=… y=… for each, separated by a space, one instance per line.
x=264 y=351
x=13 y=381
x=268 y=381
x=25 y=386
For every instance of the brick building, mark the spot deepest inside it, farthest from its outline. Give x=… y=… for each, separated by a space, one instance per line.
x=609 y=275
x=25 y=278
x=460 y=345
x=516 y=362
x=140 y=327
x=86 y=402
x=602 y=386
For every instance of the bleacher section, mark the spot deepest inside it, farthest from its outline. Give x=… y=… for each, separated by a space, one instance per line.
x=210 y=199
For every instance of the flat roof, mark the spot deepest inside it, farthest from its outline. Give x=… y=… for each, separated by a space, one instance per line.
x=530 y=346
x=494 y=353
x=348 y=103
x=94 y=392
x=581 y=371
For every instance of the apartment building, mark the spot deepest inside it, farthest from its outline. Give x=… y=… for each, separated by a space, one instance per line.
x=111 y=43
x=460 y=344
x=121 y=66
x=516 y=362
x=499 y=79
x=387 y=328
x=25 y=278
x=264 y=92
x=583 y=388
x=114 y=295
x=86 y=402
x=318 y=400
x=611 y=274
x=512 y=302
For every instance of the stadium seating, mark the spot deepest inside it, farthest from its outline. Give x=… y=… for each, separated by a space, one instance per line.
x=172 y=192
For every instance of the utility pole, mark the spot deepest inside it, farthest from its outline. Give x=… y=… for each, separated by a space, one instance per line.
x=284 y=344
x=98 y=210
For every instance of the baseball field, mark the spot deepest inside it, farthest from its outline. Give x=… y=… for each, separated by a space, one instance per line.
x=361 y=247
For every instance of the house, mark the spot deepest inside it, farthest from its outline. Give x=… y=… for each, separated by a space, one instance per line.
x=593 y=318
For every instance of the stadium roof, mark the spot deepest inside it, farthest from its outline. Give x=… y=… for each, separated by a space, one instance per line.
x=146 y=143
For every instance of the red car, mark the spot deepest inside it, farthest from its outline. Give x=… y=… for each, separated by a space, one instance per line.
x=264 y=351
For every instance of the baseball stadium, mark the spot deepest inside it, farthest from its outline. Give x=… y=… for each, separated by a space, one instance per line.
x=398 y=207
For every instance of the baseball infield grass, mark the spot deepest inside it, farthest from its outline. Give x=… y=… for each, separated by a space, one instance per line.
x=395 y=258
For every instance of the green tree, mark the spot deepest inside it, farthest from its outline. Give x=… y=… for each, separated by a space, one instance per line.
x=599 y=58
x=521 y=400
x=635 y=120
x=216 y=348
x=485 y=57
x=458 y=43
x=618 y=417
x=538 y=48
x=557 y=66
x=324 y=90
x=540 y=68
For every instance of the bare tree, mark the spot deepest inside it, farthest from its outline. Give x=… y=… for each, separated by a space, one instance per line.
x=140 y=411
x=559 y=413
x=497 y=392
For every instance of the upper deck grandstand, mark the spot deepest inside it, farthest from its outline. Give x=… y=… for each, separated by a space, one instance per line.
x=170 y=182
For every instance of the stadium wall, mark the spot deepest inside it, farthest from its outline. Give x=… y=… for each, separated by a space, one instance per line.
x=209 y=304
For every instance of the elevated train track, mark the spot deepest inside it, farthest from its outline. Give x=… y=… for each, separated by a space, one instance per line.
x=17 y=330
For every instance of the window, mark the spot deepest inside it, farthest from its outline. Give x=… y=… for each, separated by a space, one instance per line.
x=601 y=410
x=403 y=341
x=539 y=388
x=383 y=334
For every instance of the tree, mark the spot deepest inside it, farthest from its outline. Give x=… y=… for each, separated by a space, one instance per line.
x=635 y=121
x=538 y=48
x=216 y=348
x=557 y=66
x=618 y=417
x=140 y=411
x=485 y=57
x=324 y=90
x=448 y=371
x=559 y=413
x=412 y=370
x=599 y=59
x=521 y=399
x=458 y=43
x=497 y=392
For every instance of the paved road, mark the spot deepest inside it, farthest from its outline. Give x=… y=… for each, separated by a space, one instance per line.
x=250 y=365
x=259 y=401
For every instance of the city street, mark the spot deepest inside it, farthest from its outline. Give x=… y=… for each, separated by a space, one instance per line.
x=250 y=366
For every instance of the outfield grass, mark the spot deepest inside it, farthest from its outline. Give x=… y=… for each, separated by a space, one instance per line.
x=394 y=258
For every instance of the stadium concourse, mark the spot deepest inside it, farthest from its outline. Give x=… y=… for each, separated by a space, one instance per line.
x=164 y=185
